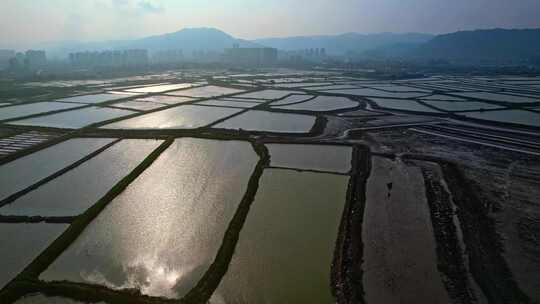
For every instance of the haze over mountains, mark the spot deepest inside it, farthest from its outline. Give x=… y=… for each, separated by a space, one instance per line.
x=471 y=46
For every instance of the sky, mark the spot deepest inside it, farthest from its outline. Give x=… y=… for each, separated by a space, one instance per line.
x=28 y=22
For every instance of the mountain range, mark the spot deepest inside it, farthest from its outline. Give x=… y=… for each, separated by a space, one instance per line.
x=471 y=46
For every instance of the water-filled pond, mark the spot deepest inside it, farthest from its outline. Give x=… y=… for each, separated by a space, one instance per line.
x=301 y=212
x=161 y=88
x=21 y=243
x=269 y=122
x=311 y=157
x=460 y=106
x=74 y=119
x=25 y=171
x=508 y=116
x=228 y=103
x=267 y=94
x=139 y=105
x=323 y=103
x=377 y=93
x=206 y=91
x=33 y=108
x=92 y=99
x=78 y=189
x=499 y=97
x=181 y=117
x=161 y=234
x=399 y=104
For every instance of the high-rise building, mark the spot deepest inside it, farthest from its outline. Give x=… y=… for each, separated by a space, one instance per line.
x=126 y=58
x=5 y=56
x=35 y=59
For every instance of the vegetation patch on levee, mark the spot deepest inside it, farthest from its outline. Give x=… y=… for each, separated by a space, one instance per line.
x=484 y=246
x=15 y=289
x=346 y=275
x=206 y=286
x=450 y=259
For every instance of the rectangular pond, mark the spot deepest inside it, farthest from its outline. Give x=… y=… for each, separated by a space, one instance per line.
x=285 y=249
x=22 y=243
x=520 y=117
x=141 y=105
x=74 y=119
x=311 y=157
x=206 y=91
x=499 y=97
x=376 y=93
x=33 y=108
x=25 y=171
x=267 y=94
x=181 y=117
x=78 y=189
x=160 y=88
x=270 y=122
x=404 y=105
x=166 y=99
x=161 y=234
x=461 y=106
x=92 y=99
x=228 y=103
x=322 y=103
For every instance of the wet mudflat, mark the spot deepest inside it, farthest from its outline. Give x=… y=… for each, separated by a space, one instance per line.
x=21 y=243
x=25 y=171
x=400 y=263
x=181 y=117
x=301 y=212
x=75 y=191
x=161 y=234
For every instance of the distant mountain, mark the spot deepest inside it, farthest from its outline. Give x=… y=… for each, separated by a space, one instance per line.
x=344 y=43
x=496 y=45
x=189 y=39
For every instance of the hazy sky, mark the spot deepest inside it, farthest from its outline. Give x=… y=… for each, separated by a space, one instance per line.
x=26 y=21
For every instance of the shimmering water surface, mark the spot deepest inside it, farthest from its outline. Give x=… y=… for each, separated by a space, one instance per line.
x=285 y=250
x=161 y=234
x=76 y=190
x=206 y=91
x=161 y=88
x=270 y=122
x=33 y=108
x=181 y=117
x=74 y=119
x=23 y=172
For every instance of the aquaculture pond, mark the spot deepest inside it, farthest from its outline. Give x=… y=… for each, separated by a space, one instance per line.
x=460 y=105
x=78 y=189
x=520 y=117
x=499 y=97
x=228 y=103
x=33 y=108
x=137 y=104
x=328 y=158
x=161 y=234
x=74 y=119
x=301 y=212
x=322 y=103
x=181 y=117
x=206 y=91
x=267 y=94
x=291 y=99
x=269 y=122
x=21 y=243
x=161 y=88
x=376 y=93
x=25 y=171
x=92 y=99
x=166 y=99
x=404 y=105
x=42 y=299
